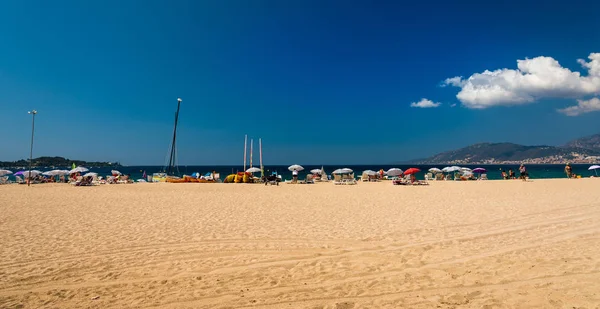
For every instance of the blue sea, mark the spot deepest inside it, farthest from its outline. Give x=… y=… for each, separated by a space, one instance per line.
x=494 y=171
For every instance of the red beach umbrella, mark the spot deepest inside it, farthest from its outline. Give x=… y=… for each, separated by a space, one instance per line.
x=411 y=170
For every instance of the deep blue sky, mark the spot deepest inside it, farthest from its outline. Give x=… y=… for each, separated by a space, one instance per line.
x=320 y=81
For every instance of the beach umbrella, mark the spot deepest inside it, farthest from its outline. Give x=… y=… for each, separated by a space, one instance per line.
x=49 y=173
x=316 y=171
x=79 y=169
x=394 y=172
x=370 y=172
x=449 y=169
x=465 y=169
x=595 y=168
x=5 y=172
x=253 y=170
x=90 y=175
x=479 y=170
x=61 y=172
x=411 y=170
x=115 y=173
x=435 y=170
x=33 y=173
x=342 y=171
x=295 y=167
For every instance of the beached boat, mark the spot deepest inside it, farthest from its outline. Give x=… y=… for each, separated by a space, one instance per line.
x=171 y=175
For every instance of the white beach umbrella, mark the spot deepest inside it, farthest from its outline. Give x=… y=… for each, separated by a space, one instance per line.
x=342 y=171
x=79 y=169
x=370 y=172
x=61 y=172
x=253 y=170
x=347 y=170
x=435 y=170
x=295 y=167
x=595 y=168
x=49 y=173
x=316 y=171
x=33 y=173
x=5 y=172
x=394 y=172
x=115 y=172
x=90 y=175
x=465 y=169
x=449 y=169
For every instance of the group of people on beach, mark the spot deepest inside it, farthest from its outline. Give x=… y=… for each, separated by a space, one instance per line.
x=511 y=174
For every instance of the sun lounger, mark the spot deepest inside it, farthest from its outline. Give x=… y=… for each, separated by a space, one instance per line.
x=400 y=182
x=429 y=176
x=4 y=180
x=364 y=177
x=337 y=179
x=483 y=177
x=309 y=179
x=76 y=181
x=349 y=179
x=19 y=180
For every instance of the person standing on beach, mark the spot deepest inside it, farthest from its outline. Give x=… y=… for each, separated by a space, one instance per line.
x=568 y=170
x=523 y=172
x=295 y=176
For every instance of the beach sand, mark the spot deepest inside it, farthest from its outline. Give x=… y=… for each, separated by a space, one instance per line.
x=494 y=244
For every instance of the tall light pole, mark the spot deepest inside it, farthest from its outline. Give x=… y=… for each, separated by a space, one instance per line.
x=33 y=113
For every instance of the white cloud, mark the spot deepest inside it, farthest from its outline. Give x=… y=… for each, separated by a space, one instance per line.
x=424 y=103
x=453 y=105
x=537 y=78
x=582 y=107
x=456 y=81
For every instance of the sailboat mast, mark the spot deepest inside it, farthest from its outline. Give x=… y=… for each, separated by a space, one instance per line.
x=172 y=157
x=260 y=156
x=245 y=147
x=260 y=152
x=251 y=144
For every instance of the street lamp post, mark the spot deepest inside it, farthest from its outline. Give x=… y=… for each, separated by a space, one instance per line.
x=33 y=113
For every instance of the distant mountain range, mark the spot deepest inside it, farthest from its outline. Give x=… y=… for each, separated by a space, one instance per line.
x=56 y=162
x=583 y=150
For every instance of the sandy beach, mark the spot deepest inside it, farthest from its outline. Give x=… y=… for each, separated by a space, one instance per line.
x=494 y=244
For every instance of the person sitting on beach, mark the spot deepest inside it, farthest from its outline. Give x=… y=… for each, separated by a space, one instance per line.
x=511 y=174
x=413 y=179
x=569 y=170
x=504 y=175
